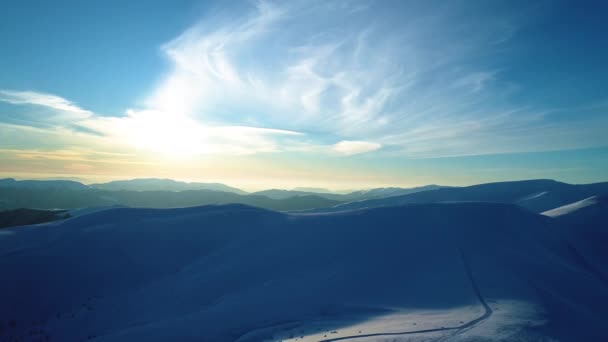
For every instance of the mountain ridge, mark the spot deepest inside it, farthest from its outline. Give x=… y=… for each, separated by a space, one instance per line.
x=529 y=194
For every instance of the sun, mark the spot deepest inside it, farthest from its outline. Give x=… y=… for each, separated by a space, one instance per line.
x=165 y=134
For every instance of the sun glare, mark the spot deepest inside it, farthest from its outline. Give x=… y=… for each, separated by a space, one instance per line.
x=165 y=134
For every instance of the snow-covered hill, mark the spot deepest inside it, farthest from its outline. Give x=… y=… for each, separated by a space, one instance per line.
x=585 y=225
x=535 y=195
x=348 y=197
x=457 y=271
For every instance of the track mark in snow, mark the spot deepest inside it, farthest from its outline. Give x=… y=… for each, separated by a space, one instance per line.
x=458 y=329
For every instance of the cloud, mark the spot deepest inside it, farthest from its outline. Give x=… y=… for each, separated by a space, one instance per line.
x=202 y=70
x=145 y=130
x=273 y=77
x=476 y=81
x=349 y=148
x=261 y=62
x=284 y=66
x=299 y=76
x=41 y=99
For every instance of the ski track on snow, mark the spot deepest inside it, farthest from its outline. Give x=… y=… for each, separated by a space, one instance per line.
x=457 y=329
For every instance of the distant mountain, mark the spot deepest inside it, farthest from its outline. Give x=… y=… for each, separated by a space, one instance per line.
x=535 y=195
x=388 y=192
x=317 y=190
x=154 y=184
x=426 y=272
x=42 y=184
x=280 y=194
x=56 y=198
x=157 y=184
x=353 y=196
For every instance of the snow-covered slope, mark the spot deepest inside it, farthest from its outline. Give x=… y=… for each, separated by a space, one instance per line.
x=585 y=226
x=467 y=271
x=596 y=204
x=540 y=201
x=348 y=197
x=388 y=192
x=535 y=195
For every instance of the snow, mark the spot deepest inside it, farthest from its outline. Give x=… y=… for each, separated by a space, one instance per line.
x=570 y=208
x=86 y=211
x=517 y=316
x=237 y=273
x=584 y=224
x=534 y=195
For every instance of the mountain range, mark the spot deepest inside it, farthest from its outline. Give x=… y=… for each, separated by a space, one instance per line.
x=348 y=197
x=155 y=184
x=534 y=195
x=164 y=193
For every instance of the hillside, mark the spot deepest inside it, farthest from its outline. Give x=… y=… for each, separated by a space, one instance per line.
x=585 y=225
x=458 y=271
x=352 y=196
x=535 y=195
x=22 y=217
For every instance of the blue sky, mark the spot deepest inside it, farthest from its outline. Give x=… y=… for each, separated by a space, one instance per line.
x=341 y=94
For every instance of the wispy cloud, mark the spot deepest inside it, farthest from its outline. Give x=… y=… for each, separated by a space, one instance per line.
x=41 y=99
x=281 y=65
x=321 y=77
x=475 y=81
x=143 y=130
x=355 y=147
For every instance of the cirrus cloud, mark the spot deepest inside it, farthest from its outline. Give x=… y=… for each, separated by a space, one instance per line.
x=349 y=148
x=42 y=99
x=287 y=76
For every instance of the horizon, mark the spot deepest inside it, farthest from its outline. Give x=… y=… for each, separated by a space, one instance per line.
x=338 y=95
x=295 y=188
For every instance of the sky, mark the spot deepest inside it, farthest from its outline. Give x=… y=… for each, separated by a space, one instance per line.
x=334 y=94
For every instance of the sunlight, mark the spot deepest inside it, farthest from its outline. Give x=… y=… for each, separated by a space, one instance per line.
x=165 y=134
